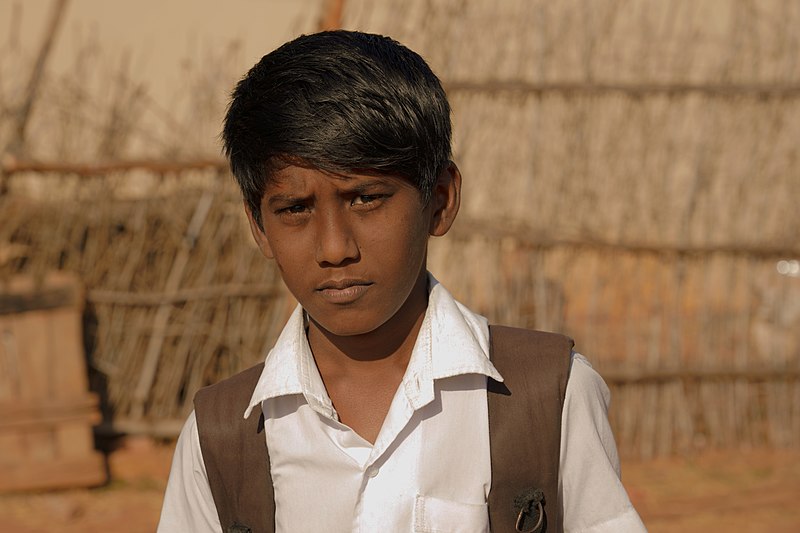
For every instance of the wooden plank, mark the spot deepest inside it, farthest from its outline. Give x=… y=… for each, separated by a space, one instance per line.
x=35 y=369
x=44 y=298
x=74 y=440
x=46 y=438
x=166 y=428
x=11 y=447
x=39 y=445
x=65 y=334
x=88 y=417
x=27 y=293
x=88 y=471
x=47 y=406
x=10 y=381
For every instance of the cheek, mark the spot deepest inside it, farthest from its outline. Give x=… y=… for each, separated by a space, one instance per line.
x=417 y=235
x=408 y=249
x=290 y=260
x=402 y=244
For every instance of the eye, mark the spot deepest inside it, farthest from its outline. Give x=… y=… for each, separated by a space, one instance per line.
x=292 y=210
x=367 y=199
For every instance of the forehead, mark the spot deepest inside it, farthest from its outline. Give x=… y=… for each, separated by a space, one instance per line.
x=301 y=178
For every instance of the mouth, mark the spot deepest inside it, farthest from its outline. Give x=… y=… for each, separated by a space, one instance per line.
x=343 y=291
x=342 y=284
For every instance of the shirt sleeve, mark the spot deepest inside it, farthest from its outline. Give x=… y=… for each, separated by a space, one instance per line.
x=188 y=502
x=593 y=498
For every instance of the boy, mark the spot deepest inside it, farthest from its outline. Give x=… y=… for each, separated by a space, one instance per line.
x=374 y=397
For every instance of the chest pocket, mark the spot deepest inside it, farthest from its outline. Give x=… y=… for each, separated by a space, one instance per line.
x=434 y=515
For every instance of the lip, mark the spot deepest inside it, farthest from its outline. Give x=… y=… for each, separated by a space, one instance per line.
x=343 y=291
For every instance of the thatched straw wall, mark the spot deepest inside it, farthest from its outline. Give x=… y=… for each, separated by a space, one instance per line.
x=623 y=121
x=631 y=179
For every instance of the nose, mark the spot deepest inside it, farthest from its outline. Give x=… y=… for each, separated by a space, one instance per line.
x=336 y=243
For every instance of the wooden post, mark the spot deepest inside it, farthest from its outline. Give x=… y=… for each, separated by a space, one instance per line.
x=46 y=411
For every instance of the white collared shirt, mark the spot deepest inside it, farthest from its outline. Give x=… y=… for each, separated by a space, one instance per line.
x=429 y=469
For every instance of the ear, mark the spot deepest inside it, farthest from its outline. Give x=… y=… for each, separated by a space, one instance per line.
x=258 y=234
x=446 y=200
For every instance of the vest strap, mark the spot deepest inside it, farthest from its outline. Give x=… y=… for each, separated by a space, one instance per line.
x=525 y=426
x=235 y=454
x=524 y=430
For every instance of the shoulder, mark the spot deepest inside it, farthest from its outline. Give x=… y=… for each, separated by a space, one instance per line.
x=585 y=386
x=529 y=338
x=593 y=497
x=188 y=504
x=534 y=361
x=219 y=408
x=236 y=386
x=586 y=434
x=585 y=411
x=519 y=345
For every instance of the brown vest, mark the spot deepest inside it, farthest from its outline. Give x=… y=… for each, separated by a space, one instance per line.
x=524 y=431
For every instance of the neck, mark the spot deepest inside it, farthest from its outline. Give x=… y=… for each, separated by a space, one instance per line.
x=388 y=346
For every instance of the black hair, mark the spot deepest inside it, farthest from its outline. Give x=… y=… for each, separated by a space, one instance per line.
x=340 y=101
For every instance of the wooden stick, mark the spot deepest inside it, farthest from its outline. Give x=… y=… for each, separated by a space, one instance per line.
x=153 y=352
x=211 y=292
x=709 y=374
x=759 y=91
x=11 y=165
x=34 y=82
x=331 y=18
x=527 y=237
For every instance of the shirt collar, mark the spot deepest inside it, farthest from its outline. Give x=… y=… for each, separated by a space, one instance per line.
x=290 y=369
x=452 y=341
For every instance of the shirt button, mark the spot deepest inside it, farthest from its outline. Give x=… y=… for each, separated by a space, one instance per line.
x=372 y=471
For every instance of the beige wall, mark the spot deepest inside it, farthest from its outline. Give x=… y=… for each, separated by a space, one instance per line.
x=163 y=46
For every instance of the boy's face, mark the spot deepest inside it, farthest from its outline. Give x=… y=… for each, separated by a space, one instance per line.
x=352 y=248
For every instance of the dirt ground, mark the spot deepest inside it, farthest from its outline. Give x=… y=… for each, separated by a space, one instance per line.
x=744 y=491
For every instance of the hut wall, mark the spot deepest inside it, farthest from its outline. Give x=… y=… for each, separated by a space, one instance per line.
x=631 y=179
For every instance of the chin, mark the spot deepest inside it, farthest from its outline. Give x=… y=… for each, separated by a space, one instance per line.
x=348 y=324
x=345 y=328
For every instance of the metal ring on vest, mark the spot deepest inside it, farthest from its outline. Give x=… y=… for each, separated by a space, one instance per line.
x=521 y=520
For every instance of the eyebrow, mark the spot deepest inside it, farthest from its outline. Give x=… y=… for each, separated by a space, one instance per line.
x=286 y=199
x=359 y=188
x=366 y=186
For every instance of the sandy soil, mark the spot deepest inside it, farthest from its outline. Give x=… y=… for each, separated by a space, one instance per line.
x=747 y=492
